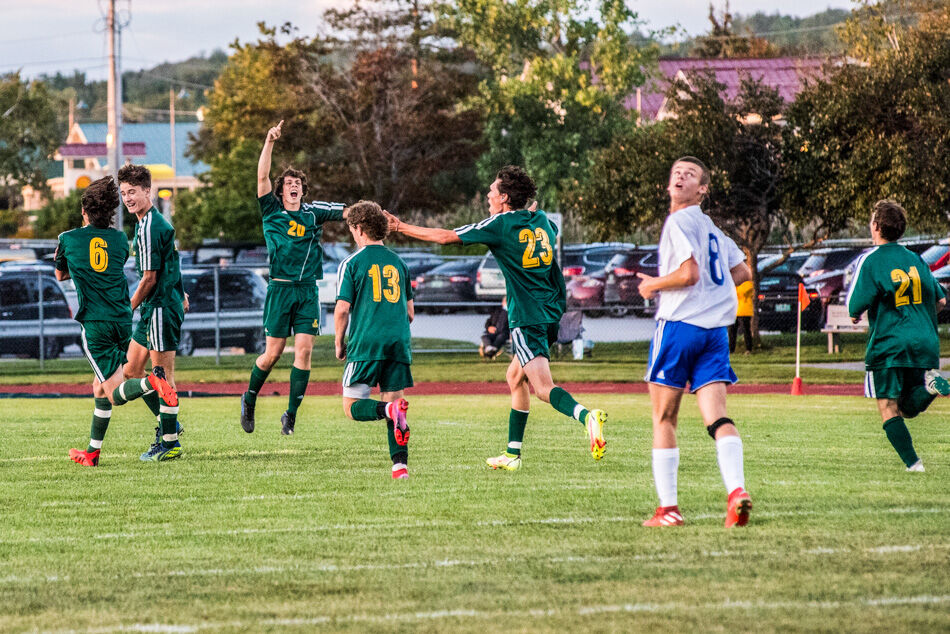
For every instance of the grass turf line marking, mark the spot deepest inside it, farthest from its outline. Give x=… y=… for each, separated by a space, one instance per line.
x=437 y=615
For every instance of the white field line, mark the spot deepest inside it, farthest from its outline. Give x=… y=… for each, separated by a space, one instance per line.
x=440 y=564
x=473 y=614
x=436 y=523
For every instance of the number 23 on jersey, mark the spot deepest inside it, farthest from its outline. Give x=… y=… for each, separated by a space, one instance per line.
x=528 y=259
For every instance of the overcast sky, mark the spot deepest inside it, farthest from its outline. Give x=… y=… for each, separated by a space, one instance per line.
x=45 y=36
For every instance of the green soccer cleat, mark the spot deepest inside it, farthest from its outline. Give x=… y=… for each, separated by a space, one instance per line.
x=936 y=383
x=595 y=432
x=161 y=453
x=506 y=461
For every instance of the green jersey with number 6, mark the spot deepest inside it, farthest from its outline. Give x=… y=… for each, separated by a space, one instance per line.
x=95 y=259
x=523 y=244
x=895 y=286
x=375 y=281
x=293 y=237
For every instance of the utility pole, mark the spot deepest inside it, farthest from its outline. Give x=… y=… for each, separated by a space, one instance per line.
x=171 y=118
x=114 y=105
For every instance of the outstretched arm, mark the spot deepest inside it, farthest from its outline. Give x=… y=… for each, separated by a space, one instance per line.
x=263 y=164
x=426 y=234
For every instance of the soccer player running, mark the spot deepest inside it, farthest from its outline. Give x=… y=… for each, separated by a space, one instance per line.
x=699 y=270
x=374 y=298
x=902 y=298
x=94 y=256
x=162 y=299
x=292 y=232
x=522 y=242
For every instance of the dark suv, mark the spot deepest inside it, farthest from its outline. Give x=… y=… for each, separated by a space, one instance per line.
x=241 y=294
x=20 y=314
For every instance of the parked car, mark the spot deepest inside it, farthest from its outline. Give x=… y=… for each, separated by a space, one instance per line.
x=239 y=289
x=587 y=283
x=823 y=261
x=792 y=263
x=778 y=304
x=489 y=280
x=942 y=275
x=582 y=259
x=20 y=302
x=622 y=286
x=449 y=283
x=937 y=256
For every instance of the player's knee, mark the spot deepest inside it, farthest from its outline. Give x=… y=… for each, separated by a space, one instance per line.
x=346 y=410
x=268 y=360
x=728 y=423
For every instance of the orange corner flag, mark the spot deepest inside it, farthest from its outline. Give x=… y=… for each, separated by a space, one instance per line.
x=803 y=300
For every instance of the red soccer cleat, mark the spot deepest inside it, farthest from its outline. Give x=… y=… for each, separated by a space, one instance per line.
x=665 y=516
x=165 y=391
x=86 y=459
x=400 y=473
x=396 y=412
x=738 y=507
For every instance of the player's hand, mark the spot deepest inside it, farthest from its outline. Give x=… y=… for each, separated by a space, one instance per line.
x=184 y=303
x=274 y=133
x=492 y=330
x=341 y=350
x=647 y=291
x=393 y=221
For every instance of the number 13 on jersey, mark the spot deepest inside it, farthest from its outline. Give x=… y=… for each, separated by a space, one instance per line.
x=391 y=275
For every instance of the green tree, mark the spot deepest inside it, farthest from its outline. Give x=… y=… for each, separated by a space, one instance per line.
x=725 y=41
x=59 y=215
x=879 y=128
x=558 y=73
x=28 y=137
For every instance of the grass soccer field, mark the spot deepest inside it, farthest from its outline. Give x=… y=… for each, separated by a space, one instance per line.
x=269 y=533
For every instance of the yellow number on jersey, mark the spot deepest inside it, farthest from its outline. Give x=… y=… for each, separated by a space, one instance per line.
x=296 y=229
x=528 y=259
x=392 y=277
x=98 y=256
x=905 y=280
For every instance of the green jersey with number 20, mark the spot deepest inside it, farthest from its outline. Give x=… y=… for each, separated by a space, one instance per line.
x=293 y=237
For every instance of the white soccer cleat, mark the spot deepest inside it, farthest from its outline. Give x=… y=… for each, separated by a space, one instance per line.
x=506 y=461
x=917 y=467
x=936 y=384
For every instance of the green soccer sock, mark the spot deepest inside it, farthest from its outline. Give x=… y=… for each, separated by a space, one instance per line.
x=563 y=402
x=154 y=403
x=100 y=423
x=168 y=421
x=399 y=453
x=131 y=390
x=899 y=436
x=298 y=387
x=258 y=378
x=517 y=420
x=916 y=402
x=368 y=409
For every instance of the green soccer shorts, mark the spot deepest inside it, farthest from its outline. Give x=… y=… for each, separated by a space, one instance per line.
x=105 y=345
x=533 y=341
x=159 y=328
x=360 y=377
x=892 y=383
x=291 y=307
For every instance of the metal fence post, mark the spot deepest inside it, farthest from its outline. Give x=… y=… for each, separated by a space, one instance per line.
x=39 y=286
x=217 y=316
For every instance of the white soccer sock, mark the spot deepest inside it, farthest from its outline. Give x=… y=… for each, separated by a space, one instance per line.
x=666 y=463
x=729 y=454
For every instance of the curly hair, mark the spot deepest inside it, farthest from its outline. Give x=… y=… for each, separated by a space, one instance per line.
x=293 y=173
x=100 y=200
x=369 y=217
x=516 y=183
x=891 y=219
x=136 y=175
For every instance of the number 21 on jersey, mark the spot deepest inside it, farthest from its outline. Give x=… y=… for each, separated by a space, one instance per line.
x=391 y=275
x=909 y=278
x=528 y=259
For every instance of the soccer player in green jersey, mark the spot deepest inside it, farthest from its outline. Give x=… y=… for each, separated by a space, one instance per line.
x=895 y=287
x=160 y=296
x=522 y=242
x=292 y=231
x=94 y=256
x=374 y=298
